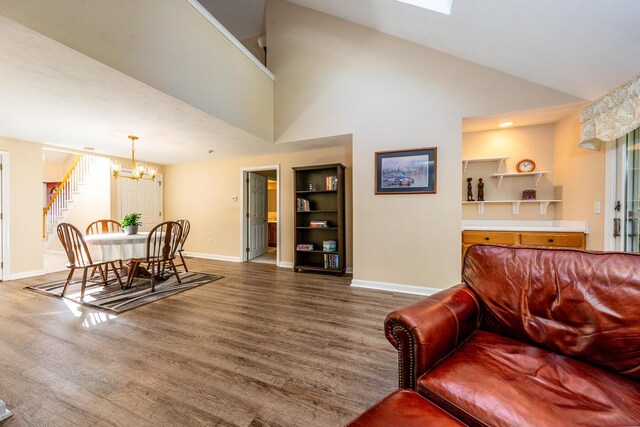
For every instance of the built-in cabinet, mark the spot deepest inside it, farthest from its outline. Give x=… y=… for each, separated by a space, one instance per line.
x=273 y=234
x=575 y=240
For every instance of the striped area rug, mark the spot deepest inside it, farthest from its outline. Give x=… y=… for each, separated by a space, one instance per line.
x=115 y=300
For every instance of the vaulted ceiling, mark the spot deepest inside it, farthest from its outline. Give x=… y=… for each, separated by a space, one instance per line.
x=581 y=47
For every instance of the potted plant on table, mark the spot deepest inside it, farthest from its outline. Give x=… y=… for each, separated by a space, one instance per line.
x=130 y=223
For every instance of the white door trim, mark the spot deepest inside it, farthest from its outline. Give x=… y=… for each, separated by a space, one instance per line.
x=614 y=190
x=609 y=195
x=6 y=274
x=244 y=199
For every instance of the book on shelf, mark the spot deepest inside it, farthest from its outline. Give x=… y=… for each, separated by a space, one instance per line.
x=318 y=224
x=304 y=247
x=329 y=246
x=331 y=183
x=303 y=205
x=331 y=261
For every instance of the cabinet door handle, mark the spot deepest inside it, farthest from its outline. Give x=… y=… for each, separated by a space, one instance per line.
x=486 y=238
x=550 y=240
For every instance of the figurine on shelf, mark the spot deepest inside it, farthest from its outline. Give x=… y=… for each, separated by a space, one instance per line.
x=469 y=190
x=480 y=190
x=529 y=195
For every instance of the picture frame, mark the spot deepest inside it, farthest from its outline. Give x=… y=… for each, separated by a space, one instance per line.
x=412 y=171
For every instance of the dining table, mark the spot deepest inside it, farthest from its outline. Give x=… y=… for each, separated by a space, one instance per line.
x=117 y=246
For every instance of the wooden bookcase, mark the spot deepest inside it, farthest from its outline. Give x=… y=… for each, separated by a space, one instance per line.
x=310 y=183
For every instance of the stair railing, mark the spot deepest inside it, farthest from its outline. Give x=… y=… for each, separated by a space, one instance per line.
x=64 y=193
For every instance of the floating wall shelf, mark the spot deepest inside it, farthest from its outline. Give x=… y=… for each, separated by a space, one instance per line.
x=515 y=205
x=499 y=160
x=537 y=175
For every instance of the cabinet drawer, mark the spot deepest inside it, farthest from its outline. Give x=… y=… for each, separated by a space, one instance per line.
x=565 y=240
x=497 y=237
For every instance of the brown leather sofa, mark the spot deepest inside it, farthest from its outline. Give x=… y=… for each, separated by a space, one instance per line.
x=540 y=337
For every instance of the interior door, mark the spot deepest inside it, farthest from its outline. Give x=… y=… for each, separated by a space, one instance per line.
x=144 y=197
x=257 y=218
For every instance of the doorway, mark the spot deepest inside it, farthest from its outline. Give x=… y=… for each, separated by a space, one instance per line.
x=622 y=220
x=260 y=214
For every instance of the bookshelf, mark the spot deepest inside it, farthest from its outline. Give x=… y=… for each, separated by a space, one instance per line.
x=319 y=200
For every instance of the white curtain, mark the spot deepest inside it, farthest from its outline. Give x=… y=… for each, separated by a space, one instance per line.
x=612 y=116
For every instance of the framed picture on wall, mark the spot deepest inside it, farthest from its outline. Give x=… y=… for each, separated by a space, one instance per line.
x=406 y=171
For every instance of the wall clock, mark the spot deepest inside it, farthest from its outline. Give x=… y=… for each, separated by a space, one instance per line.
x=526 y=165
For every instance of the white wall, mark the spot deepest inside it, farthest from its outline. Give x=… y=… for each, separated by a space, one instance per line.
x=335 y=77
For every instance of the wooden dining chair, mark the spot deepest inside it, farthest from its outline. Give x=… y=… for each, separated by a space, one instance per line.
x=162 y=243
x=186 y=227
x=79 y=257
x=104 y=226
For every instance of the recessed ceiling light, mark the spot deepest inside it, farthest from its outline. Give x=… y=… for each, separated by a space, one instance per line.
x=88 y=148
x=442 y=6
x=505 y=124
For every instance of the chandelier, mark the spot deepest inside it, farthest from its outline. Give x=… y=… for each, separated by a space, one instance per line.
x=138 y=169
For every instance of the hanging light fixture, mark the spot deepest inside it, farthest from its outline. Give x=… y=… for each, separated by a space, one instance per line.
x=138 y=169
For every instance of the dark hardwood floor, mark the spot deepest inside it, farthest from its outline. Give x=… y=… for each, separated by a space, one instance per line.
x=264 y=346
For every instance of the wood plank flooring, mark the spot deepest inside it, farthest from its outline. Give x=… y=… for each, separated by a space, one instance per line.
x=261 y=347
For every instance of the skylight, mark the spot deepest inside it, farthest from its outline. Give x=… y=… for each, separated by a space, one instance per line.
x=442 y=6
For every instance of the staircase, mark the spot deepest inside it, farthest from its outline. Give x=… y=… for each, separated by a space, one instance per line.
x=65 y=195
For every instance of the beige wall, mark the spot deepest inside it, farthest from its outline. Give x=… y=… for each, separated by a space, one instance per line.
x=202 y=192
x=336 y=77
x=526 y=142
x=52 y=171
x=579 y=178
x=166 y=44
x=25 y=205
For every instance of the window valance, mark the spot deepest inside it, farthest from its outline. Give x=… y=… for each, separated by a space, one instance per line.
x=612 y=116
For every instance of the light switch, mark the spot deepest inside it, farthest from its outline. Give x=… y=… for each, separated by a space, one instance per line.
x=596 y=208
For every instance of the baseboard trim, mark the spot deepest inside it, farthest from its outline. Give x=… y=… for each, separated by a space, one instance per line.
x=27 y=274
x=213 y=257
x=394 y=287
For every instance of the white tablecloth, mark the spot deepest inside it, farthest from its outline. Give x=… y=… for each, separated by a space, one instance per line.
x=115 y=246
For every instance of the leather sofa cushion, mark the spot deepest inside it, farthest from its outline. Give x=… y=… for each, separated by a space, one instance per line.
x=580 y=304
x=497 y=381
x=405 y=408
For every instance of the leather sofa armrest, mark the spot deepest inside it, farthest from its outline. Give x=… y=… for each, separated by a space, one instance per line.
x=428 y=330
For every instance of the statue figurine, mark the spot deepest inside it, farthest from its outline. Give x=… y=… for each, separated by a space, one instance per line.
x=480 y=190
x=469 y=191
